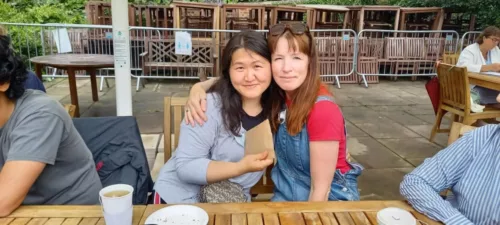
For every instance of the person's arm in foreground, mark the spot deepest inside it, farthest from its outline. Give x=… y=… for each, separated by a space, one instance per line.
x=325 y=129
x=422 y=186
x=16 y=178
x=192 y=156
x=35 y=142
x=197 y=102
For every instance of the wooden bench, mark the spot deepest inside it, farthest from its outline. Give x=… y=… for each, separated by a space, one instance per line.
x=173 y=115
x=160 y=55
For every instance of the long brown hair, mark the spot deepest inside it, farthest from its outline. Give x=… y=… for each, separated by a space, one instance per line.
x=304 y=97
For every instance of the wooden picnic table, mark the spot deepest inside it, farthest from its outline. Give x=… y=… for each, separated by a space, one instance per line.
x=72 y=63
x=297 y=213
x=54 y=215
x=483 y=80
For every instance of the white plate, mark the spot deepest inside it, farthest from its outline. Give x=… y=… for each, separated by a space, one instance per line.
x=179 y=215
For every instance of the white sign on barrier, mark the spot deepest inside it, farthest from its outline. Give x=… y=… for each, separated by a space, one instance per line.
x=183 y=44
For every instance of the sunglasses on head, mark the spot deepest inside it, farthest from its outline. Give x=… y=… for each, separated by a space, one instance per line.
x=295 y=28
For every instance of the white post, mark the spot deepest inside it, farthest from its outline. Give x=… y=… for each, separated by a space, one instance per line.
x=121 y=47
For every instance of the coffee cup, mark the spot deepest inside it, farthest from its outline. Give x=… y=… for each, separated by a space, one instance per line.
x=395 y=216
x=116 y=202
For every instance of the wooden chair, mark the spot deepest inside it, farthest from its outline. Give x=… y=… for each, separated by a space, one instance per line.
x=457 y=131
x=451 y=59
x=455 y=98
x=176 y=105
x=71 y=109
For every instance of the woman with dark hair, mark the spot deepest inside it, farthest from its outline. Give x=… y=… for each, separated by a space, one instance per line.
x=483 y=56
x=310 y=134
x=43 y=159
x=214 y=153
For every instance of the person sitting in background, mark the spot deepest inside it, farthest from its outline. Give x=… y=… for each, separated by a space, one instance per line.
x=43 y=159
x=483 y=56
x=470 y=167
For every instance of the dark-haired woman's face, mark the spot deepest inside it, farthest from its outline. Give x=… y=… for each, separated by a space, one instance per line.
x=250 y=73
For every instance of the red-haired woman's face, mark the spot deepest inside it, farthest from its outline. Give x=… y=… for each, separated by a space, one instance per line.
x=289 y=66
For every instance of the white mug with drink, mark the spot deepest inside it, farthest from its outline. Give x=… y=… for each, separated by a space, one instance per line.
x=116 y=202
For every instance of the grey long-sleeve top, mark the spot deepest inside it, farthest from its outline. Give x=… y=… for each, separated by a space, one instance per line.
x=182 y=176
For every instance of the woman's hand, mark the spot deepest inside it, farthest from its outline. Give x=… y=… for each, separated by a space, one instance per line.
x=255 y=162
x=196 y=106
x=495 y=67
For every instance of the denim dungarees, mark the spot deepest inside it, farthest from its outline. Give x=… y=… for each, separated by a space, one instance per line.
x=291 y=174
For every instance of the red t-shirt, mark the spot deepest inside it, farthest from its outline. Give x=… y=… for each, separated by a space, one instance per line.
x=326 y=123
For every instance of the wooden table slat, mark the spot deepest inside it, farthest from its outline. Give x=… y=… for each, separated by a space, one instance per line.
x=483 y=80
x=239 y=219
x=222 y=219
x=291 y=218
x=89 y=221
x=372 y=217
x=20 y=221
x=38 y=221
x=360 y=218
x=101 y=221
x=54 y=221
x=255 y=219
x=344 y=218
x=211 y=219
x=270 y=219
x=312 y=219
x=5 y=221
x=328 y=218
x=424 y=219
x=72 y=221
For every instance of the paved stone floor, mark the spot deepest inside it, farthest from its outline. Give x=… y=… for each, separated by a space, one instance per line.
x=388 y=124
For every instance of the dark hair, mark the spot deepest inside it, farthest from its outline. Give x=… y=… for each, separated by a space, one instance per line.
x=488 y=32
x=12 y=69
x=231 y=109
x=306 y=93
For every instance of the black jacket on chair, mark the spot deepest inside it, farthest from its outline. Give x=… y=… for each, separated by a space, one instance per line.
x=118 y=152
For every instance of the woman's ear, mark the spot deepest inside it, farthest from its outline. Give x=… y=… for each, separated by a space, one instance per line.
x=4 y=87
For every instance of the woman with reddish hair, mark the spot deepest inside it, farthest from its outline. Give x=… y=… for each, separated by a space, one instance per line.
x=310 y=134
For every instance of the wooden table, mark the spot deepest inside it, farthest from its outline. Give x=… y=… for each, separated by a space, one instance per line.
x=483 y=80
x=297 y=213
x=72 y=63
x=54 y=215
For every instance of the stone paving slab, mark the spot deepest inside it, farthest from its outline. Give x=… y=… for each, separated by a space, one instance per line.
x=381 y=184
x=371 y=154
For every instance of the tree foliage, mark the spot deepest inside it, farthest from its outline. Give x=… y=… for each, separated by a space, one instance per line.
x=486 y=11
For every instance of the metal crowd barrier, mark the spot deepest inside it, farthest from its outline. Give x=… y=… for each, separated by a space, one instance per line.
x=402 y=53
x=343 y=55
x=468 y=38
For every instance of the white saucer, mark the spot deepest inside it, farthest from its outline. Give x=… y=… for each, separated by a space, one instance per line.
x=179 y=215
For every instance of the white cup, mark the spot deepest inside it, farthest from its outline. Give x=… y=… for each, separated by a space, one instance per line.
x=395 y=216
x=117 y=210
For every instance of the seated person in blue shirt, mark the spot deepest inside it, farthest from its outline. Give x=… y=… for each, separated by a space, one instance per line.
x=470 y=167
x=214 y=152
